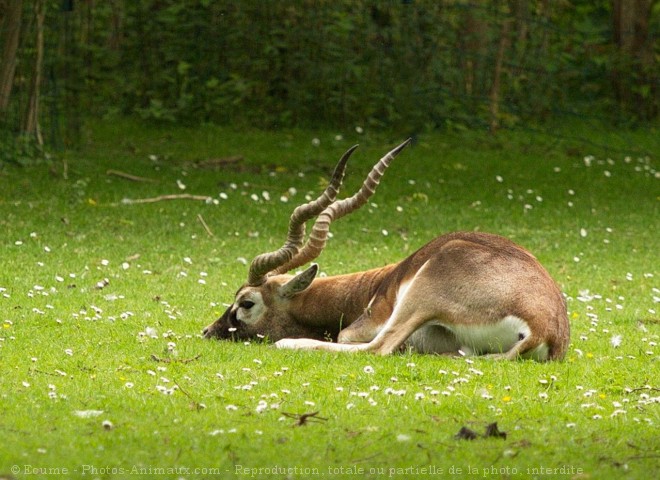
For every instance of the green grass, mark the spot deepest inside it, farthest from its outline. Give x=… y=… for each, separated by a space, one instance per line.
x=67 y=346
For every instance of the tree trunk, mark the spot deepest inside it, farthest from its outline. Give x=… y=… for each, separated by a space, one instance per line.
x=473 y=45
x=31 y=124
x=10 y=35
x=116 y=38
x=497 y=74
x=633 y=77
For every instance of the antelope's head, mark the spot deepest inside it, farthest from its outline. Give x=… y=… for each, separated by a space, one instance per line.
x=276 y=305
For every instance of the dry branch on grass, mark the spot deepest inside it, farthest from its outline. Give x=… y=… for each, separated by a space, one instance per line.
x=128 y=176
x=206 y=227
x=161 y=198
x=213 y=163
x=304 y=418
x=174 y=360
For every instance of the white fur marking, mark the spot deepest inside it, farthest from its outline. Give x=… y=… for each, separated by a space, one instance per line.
x=252 y=315
x=297 y=343
x=497 y=337
x=400 y=298
x=310 y=344
x=403 y=289
x=433 y=338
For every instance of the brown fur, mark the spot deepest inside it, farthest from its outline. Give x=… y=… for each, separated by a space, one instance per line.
x=467 y=278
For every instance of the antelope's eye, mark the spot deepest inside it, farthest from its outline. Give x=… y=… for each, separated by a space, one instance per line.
x=246 y=304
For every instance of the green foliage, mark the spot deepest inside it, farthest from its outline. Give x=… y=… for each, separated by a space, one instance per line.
x=22 y=150
x=412 y=65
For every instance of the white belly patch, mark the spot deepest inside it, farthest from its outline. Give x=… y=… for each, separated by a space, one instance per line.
x=497 y=337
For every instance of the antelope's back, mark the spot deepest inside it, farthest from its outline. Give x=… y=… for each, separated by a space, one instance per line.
x=487 y=278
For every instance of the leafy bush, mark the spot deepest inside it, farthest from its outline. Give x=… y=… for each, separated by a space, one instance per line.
x=403 y=64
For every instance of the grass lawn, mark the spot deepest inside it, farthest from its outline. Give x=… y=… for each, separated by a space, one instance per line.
x=102 y=301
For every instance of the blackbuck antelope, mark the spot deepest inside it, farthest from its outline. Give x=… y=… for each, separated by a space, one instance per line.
x=465 y=293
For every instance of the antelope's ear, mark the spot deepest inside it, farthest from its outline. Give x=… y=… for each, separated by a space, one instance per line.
x=300 y=282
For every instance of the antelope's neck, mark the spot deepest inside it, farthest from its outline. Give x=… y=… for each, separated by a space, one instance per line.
x=341 y=299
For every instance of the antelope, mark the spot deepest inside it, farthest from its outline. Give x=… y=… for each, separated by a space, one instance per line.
x=464 y=293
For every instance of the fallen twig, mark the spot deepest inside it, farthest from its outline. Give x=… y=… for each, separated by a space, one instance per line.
x=45 y=373
x=206 y=227
x=160 y=198
x=175 y=360
x=128 y=176
x=644 y=389
x=219 y=162
x=194 y=404
x=304 y=418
